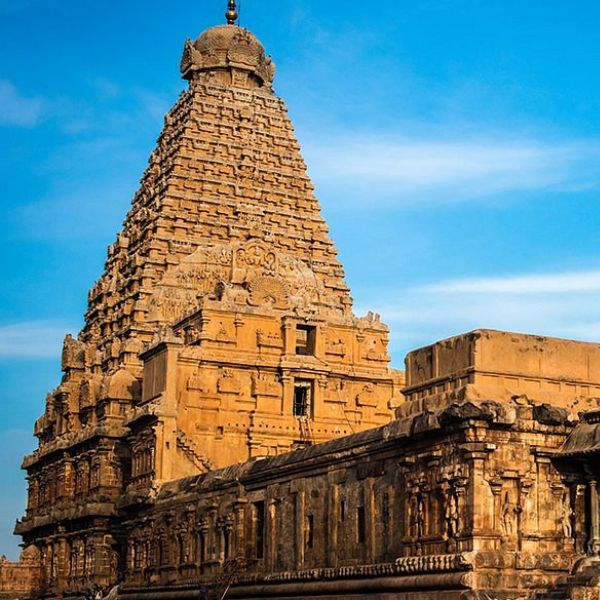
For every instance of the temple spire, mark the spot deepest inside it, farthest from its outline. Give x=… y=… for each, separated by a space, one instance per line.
x=231 y=15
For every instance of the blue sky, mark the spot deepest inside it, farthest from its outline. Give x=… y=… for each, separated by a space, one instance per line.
x=455 y=145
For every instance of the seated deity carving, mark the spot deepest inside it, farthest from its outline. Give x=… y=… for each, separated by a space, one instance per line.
x=335 y=347
x=228 y=382
x=367 y=396
x=265 y=385
x=268 y=340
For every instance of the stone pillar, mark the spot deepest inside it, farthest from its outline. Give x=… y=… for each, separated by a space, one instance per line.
x=213 y=533
x=69 y=475
x=271 y=535
x=581 y=526
x=62 y=559
x=475 y=501
x=370 y=519
x=240 y=527
x=287 y=397
x=203 y=528
x=333 y=525
x=299 y=518
x=594 y=543
x=320 y=334
x=525 y=527
x=289 y=337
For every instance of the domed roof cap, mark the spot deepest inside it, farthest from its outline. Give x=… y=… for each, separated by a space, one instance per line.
x=227 y=47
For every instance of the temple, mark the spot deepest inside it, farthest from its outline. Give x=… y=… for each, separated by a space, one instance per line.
x=226 y=426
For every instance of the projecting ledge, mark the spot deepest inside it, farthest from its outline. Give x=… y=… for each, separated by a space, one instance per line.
x=443 y=581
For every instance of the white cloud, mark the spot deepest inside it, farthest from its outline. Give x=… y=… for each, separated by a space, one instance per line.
x=406 y=169
x=559 y=305
x=17 y=110
x=32 y=339
x=583 y=281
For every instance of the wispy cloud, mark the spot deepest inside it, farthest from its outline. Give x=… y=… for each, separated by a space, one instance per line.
x=32 y=339
x=582 y=281
x=18 y=110
x=563 y=304
x=404 y=170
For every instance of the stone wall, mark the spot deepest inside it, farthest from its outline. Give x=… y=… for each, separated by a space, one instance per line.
x=503 y=365
x=18 y=580
x=463 y=498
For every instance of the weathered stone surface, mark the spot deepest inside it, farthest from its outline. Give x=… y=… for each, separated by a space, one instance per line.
x=224 y=420
x=221 y=330
x=18 y=579
x=550 y=415
x=501 y=365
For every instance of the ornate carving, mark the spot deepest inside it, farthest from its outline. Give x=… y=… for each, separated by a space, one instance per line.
x=367 y=396
x=265 y=385
x=268 y=340
x=566 y=516
x=335 y=347
x=416 y=515
x=73 y=354
x=198 y=383
x=510 y=515
x=267 y=291
x=228 y=382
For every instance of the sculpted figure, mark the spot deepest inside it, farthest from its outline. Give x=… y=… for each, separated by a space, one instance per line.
x=452 y=514
x=510 y=513
x=416 y=515
x=567 y=516
x=73 y=353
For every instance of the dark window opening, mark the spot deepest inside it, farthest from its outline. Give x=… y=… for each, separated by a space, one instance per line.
x=310 y=531
x=343 y=511
x=202 y=547
x=305 y=340
x=226 y=545
x=182 y=556
x=259 y=523
x=361 y=525
x=302 y=398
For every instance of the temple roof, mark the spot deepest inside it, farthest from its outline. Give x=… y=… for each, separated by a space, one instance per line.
x=585 y=438
x=225 y=47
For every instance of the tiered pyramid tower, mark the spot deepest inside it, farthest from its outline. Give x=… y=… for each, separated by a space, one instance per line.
x=220 y=331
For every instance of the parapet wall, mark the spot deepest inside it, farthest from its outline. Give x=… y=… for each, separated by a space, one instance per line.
x=495 y=364
x=18 y=579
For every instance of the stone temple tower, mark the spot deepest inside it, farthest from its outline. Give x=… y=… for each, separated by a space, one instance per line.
x=220 y=331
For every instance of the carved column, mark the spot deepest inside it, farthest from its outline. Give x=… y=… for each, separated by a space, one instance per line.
x=496 y=487
x=320 y=334
x=473 y=510
x=213 y=534
x=287 y=398
x=62 y=558
x=333 y=523
x=240 y=527
x=369 y=492
x=581 y=530
x=271 y=535
x=299 y=518
x=203 y=528
x=594 y=543
x=524 y=526
x=289 y=337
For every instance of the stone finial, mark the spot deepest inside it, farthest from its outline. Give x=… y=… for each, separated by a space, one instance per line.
x=231 y=15
x=229 y=48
